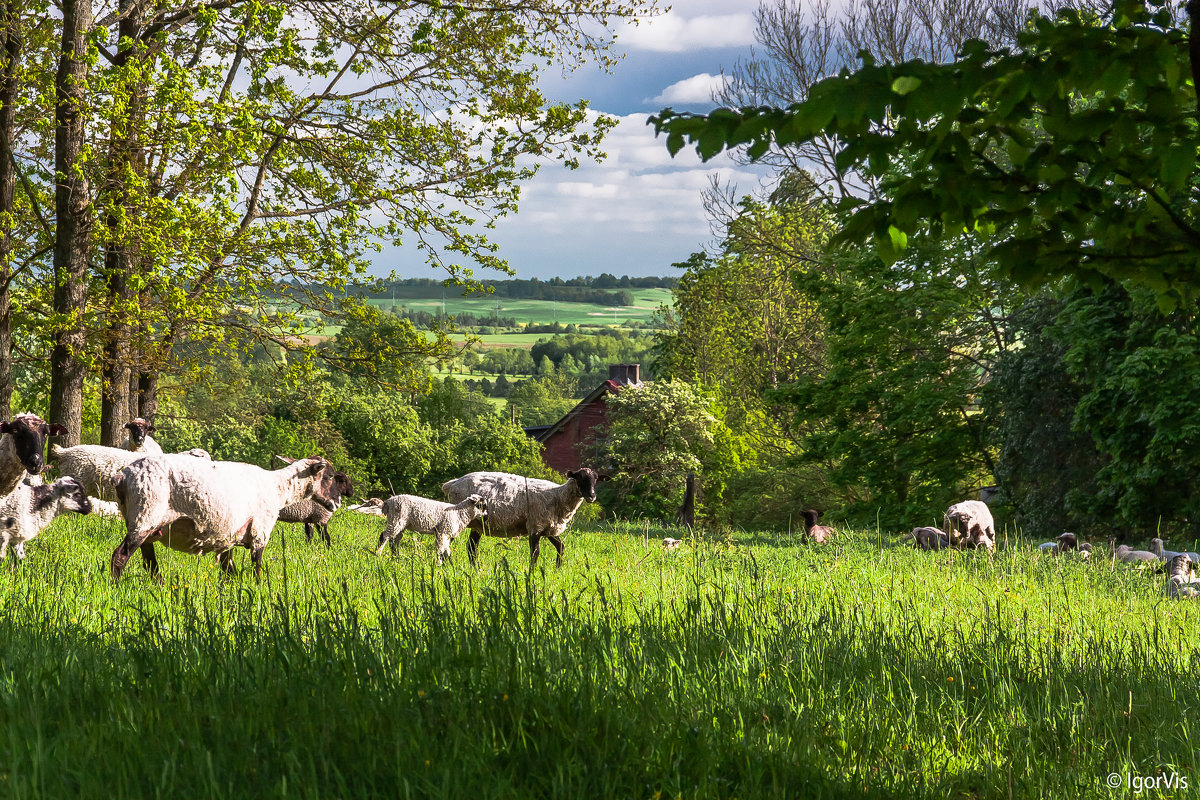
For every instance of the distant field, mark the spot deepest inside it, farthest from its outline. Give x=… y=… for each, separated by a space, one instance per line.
x=646 y=303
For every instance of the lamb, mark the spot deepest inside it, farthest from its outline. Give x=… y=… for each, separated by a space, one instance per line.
x=671 y=544
x=372 y=505
x=929 y=539
x=1065 y=542
x=520 y=506
x=32 y=508
x=104 y=508
x=1181 y=577
x=93 y=465
x=199 y=506
x=444 y=520
x=969 y=524
x=1156 y=547
x=314 y=516
x=818 y=533
x=22 y=442
x=138 y=439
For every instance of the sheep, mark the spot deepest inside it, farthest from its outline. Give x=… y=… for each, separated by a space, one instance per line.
x=929 y=539
x=314 y=516
x=199 y=506
x=1156 y=547
x=34 y=507
x=1128 y=555
x=138 y=440
x=22 y=442
x=445 y=521
x=1181 y=578
x=93 y=465
x=818 y=533
x=520 y=506
x=1065 y=542
x=104 y=508
x=969 y=523
x=671 y=544
x=372 y=505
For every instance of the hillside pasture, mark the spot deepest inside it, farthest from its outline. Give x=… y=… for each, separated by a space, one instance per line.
x=742 y=665
x=646 y=303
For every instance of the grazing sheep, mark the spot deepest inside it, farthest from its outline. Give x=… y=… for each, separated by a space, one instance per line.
x=199 y=506
x=1181 y=577
x=314 y=516
x=929 y=539
x=520 y=506
x=1063 y=543
x=818 y=533
x=138 y=440
x=969 y=524
x=422 y=515
x=94 y=465
x=1128 y=555
x=671 y=544
x=34 y=507
x=22 y=442
x=1156 y=547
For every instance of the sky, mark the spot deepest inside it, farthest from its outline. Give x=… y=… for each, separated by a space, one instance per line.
x=640 y=210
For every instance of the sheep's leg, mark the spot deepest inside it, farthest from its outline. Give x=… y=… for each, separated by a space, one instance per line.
x=19 y=549
x=256 y=554
x=150 y=560
x=4 y=547
x=558 y=546
x=390 y=535
x=120 y=556
x=324 y=531
x=225 y=560
x=308 y=531
x=473 y=544
x=534 y=545
x=443 y=548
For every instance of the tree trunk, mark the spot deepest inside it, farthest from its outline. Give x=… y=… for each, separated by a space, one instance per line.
x=148 y=394
x=10 y=37
x=72 y=206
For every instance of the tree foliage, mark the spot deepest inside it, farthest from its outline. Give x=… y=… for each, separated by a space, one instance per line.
x=1074 y=153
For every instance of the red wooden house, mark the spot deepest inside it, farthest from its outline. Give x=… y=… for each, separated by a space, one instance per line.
x=566 y=442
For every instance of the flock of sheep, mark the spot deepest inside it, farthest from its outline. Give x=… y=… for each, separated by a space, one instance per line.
x=191 y=503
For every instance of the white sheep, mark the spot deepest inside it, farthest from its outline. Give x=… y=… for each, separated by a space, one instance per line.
x=138 y=440
x=372 y=506
x=1156 y=547
x=94 y=465
x=1181 y=577
x=22 y=443
x=199 y=506
x=445 y=521
x=104 y=508
x=671 y=544
x=1128 y=555
x=524 y=507
x=969 y=523
x=34 y=507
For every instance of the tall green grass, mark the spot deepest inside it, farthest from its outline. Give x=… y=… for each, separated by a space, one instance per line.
x=741 y=666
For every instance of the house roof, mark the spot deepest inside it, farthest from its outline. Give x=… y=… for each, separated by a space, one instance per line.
x=543 y=432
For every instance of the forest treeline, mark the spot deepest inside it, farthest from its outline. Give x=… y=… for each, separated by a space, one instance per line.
x=604 y=289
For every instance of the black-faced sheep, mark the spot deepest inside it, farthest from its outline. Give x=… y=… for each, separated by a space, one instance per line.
x=817 y=533
x=32 y=508
x=199 y=506
x=444 y=521
x=138 y=440
x=315 y=516
x=524 y=507
x=969 y=524
x=22 y=444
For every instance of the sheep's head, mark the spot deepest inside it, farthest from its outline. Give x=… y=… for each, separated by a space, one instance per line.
x=586 y=479
x=138 y=429
x=72 y=496
x=479 y=503
x=810 y=518
x=323 y=487
x=29 y=432
x=1156 y=546
x=1068 y=541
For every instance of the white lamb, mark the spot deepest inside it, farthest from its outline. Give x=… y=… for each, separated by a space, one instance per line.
x=22 y=443
x=1128 y=555
x=199 y=506
x=969 y=523
x=138 y=440
x=443 y=520
x=520 y=506
x=94 y=465
x=32 y=508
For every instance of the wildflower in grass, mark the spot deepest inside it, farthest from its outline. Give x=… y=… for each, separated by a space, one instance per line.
x=420 y=692
x=951 y=679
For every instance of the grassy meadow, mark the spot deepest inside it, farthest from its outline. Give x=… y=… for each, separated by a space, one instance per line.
x=743 y=665
x=645 y=304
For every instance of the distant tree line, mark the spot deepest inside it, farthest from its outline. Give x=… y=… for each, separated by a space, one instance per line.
x=606 y=289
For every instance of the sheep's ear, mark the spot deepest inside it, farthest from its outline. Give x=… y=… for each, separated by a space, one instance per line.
x=285 y=459
x=603 y=478
x=150 y=427
x=55 y=429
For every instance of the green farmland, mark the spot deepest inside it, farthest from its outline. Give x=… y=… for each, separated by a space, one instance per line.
x=742 y=665
x=646 y=303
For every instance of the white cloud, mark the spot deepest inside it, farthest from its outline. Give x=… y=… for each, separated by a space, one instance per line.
x=696 y=89
x=674 y=34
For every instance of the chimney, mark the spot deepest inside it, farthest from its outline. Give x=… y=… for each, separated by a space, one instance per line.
x=622 y=374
